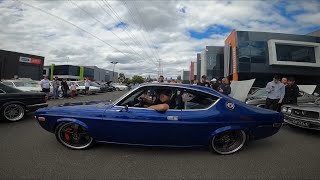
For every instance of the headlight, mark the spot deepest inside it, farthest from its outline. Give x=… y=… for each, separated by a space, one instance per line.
x=289 y=110
x=284 y=109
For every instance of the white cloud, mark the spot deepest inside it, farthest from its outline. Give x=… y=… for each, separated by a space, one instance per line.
x=161 y=25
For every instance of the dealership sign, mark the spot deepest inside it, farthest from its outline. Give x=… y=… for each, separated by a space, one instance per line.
x=30 y=60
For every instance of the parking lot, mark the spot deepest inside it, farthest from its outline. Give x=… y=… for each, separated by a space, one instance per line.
x=29 y=152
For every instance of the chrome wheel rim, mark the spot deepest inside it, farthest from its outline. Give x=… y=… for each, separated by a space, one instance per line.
x=228 y=142
x=13 y=112
x=74 y=136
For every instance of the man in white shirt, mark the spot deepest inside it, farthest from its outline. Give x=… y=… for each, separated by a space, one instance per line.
x=87 y=86
x=45 y=85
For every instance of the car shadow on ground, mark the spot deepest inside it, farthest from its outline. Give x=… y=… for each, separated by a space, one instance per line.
x=148 y=149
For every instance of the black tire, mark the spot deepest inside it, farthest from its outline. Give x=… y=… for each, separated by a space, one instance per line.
x=13 y=112
x=117 y=89
x=73 y=136
x=228 y=142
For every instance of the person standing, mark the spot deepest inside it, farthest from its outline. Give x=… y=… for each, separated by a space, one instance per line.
x=204 y=81
x=276 y=92
x=55 y=85
x=292 y=92
x=225 y=88
x=73 y=90
x=64 y=88
x=87 y=86
x=284 y=81
x=214 y=84
x=161 y=79
x=45 y=86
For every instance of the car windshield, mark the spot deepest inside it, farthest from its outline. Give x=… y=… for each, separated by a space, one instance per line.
x=9 y=89
x=260 y=93
x=94 y=84
x=80 y=83
x=26 y=84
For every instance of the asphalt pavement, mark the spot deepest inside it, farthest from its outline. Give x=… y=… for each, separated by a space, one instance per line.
x=29 y=152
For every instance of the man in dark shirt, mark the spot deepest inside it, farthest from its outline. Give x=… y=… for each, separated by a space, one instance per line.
x=225 y=88
x=214 y=84
x=204 y=81
x=292 y=92
x=163 y=103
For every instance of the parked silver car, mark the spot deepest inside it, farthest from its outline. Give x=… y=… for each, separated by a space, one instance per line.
x=258 y=98
x=303 y=115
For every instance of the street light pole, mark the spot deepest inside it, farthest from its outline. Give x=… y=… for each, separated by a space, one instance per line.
x=114 y=64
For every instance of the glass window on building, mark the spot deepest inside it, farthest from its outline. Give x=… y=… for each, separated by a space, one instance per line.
x=244 y=51
x=258 y=51
x=295 y=53
x=61 y=70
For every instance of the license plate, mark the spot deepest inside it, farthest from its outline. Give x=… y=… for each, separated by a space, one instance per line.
x=301 y=123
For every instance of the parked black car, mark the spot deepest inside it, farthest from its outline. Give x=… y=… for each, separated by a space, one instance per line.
x=14 y=103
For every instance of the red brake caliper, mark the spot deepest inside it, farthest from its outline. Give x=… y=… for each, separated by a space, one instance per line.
x=66 y=135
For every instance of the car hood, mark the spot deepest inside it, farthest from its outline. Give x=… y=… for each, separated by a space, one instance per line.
x=91 y=108
x=305 y=106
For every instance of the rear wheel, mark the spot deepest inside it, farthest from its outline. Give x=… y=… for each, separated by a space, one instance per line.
x=13 y=112
x=74 y=136
x=228 y=142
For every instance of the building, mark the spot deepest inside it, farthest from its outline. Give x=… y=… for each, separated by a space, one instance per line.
x=80 y=72
x=185 y=75
x=260 y=55
x=193 y=71
x=15 y=64
x=212 y=62
x=198 y=66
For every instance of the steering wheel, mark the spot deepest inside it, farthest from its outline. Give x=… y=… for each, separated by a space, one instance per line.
x=138 y=102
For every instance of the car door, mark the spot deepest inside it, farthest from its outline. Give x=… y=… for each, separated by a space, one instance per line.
x=199 y=117
x=138 y=125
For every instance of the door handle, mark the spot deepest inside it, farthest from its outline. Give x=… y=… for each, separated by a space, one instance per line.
x=172 y=118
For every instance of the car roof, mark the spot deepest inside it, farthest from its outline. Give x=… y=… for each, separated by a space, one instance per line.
x=188 y=86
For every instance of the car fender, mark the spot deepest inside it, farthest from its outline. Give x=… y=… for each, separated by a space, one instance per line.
x=226 y=128
x=59 y=121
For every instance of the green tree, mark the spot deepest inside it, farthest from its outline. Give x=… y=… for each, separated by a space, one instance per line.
x=137 y=79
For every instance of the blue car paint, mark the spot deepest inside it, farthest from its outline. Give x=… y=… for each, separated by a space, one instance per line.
x=105 y=122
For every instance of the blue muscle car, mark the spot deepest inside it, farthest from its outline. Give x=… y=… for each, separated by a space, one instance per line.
x=198 y=116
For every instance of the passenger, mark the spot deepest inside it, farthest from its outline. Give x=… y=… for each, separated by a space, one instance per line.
x=163 y=103
x=161 y=79
x=214 y=84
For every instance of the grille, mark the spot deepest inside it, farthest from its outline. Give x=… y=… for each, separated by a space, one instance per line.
x=303 y=113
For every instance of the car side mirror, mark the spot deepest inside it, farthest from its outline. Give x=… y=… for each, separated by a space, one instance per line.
x=124 y=108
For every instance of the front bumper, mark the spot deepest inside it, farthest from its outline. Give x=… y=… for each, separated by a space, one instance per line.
x=35 y=107
x=302 y=122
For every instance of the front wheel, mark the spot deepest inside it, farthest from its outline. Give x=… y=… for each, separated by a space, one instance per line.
x=13 y=112
x=228 y=142
x=74 y=136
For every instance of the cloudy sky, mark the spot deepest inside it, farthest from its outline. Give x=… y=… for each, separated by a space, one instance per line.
x=138 y=33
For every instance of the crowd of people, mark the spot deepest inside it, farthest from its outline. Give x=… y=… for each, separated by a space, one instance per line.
x=67 y=91
x=281 y=91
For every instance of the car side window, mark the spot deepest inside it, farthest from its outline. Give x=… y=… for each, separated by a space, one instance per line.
x=196 y=100
x=147 y=96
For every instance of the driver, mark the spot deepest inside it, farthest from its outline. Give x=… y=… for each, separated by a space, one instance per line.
x=163 y=103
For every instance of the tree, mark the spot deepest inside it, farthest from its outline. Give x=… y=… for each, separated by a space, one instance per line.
x=137 y=79
x=122 y=75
